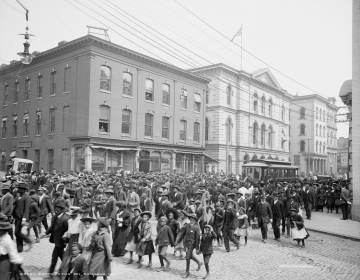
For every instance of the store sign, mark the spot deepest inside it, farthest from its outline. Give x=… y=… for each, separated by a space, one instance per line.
x=27 y=144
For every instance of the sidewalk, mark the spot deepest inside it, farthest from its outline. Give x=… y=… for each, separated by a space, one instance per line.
x=332 y=224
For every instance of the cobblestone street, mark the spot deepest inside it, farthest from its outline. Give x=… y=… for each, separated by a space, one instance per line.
x=325 y=257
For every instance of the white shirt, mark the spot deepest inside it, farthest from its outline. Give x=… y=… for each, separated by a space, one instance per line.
x=8 y=247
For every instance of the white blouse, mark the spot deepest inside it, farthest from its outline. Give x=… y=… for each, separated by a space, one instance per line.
x=8 y=247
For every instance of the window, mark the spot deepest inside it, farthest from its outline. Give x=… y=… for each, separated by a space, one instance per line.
x=149 y=90
x=39 y=85
x=270 y=107
x=3 y=127
x=320 y=147
x=270 y=137
x=229 y=126
x=105 y=78
x=263 y=105
x=26 y=125
x=302 y=113
x=104 y=119
x=255 y=133
x=317 y=130
x=283 y=139
x=27 y=89
x=317 y=146
x=206 y=129
x=67 y=73
x=165 y=127
x=183 y=125
x=15 y=126
x=183 y=98
x=228 y=94
x=51 y=160
x=302 y=129
x=52 y=120
x=282 y=112
x=320 y=130
x=324 y=131
x=263 y=130
x=197 y=132
x=149 y=120
x=126 y=121
x=37 y=160
x=25 y=153
x=320 y=115
x=165 y=88
x=302 y=146
x=324 y=148
x=317 y=113
x=207 y=97
x=197 y=102
x=38 y=123
x=16 y=93
x=66 y=119
x=127 y=83
x=255 y=103
x=6 y=93
x=53 y=82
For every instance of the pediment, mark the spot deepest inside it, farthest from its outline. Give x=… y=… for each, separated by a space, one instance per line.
x=266 y=77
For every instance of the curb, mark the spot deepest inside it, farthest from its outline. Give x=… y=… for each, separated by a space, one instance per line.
x=353 y=238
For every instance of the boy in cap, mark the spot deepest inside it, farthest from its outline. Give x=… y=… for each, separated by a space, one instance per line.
x=164 y=238
x=229 y=225
x=146 y=246
x=206 y=247
x=190 y=233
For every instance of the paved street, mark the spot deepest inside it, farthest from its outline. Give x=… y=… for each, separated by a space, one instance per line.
x=325 y=257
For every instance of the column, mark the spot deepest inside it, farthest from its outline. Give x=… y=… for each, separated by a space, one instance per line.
x=173 y=158
x=88 y=158
x=193 y=163
x=106 y=160
x=122 y=159
x=137 y=155
x=356 y=113
x=72 y=158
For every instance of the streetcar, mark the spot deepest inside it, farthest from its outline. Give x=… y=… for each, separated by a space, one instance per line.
x=265 y=169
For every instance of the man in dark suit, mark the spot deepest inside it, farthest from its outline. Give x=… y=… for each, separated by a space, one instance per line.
x=277 y=210
x=229 y=225
x=7 y=204
x=59 y=225
x=45 y=206
x=178 y=203
x=264 y=216
x=21 y=213
x=308 y=202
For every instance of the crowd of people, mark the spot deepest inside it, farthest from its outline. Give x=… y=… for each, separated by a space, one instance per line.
x=96 y=217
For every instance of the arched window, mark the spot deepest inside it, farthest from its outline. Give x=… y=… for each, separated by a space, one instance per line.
x=254 y=157
x=105 y=78
x=317 y=130
x=246 y=158
x=263 y=130
x=206 y=129
x=282 y=112
x=302 y=113
x=255 y=133
x=302 y=146
x=320 y=114
x=127 y=83
x=263 y=105
x=270 y=107
x=270 y=137
x=320 y=130
x=324 y=116
x=229 y=126
x=126 y=121
x=302 y=129
x=324 y=148
x=320 y=147
x=228 y=94
x=317 y=113
x=316 y=146
x=255 y=102
x=323 y=131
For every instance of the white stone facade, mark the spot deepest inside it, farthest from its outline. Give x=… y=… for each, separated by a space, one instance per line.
x=247 y=117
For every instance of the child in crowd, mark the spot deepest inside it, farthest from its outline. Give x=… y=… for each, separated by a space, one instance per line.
x=146 y=246
x=206 y=247
x=190 y=234
x=164 y=238
x=133 y=236
x=243 y=224
x=172 y=216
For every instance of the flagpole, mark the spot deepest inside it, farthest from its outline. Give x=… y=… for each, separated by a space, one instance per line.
x=241 y=46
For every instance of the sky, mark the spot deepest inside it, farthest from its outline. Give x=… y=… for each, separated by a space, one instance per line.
x=305 y=43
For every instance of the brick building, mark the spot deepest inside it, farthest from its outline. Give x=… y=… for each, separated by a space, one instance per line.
x=90 y=104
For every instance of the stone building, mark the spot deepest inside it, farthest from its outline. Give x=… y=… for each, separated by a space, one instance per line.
x=313 y=135
x=90 y=104
x=247 y=117
x=343 y=157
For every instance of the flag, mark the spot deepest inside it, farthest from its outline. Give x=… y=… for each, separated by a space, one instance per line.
x=238 y=33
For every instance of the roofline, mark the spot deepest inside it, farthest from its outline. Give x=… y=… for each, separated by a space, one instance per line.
x=93 y=39
x=240 y=72
x=317 y=96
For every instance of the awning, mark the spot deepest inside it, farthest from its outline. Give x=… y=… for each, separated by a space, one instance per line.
x=283 y=166
x=114 y=148
x=210 y=158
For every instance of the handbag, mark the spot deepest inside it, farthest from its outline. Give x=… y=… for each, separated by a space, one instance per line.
x=18 y=274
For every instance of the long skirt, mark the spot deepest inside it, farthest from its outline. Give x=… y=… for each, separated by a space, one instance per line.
x=119 y=244
x=99 y=265
x=145 y=248
x=81 y=263
x=68 y=255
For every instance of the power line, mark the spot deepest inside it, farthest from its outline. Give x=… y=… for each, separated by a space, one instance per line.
x=241 y=47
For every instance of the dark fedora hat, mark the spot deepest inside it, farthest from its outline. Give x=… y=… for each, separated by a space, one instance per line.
x=192 y=216
x=146 y=213
x=174 y=211
x=87 y=219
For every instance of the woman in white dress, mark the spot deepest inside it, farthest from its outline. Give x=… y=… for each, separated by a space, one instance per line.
x=298 y=230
